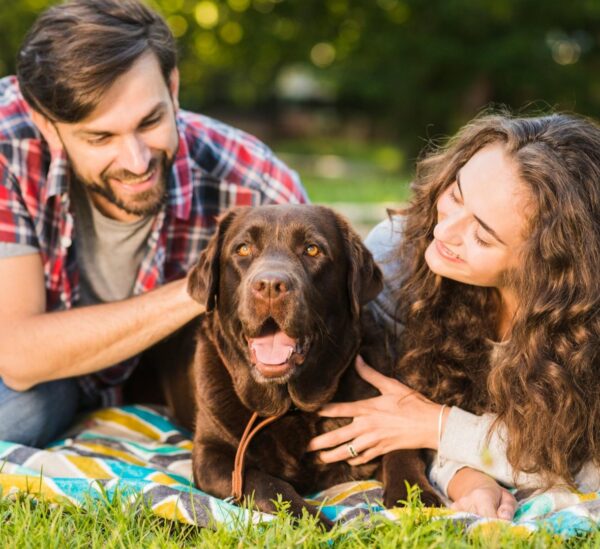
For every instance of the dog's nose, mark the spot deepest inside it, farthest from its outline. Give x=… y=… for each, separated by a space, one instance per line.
x=271 y=286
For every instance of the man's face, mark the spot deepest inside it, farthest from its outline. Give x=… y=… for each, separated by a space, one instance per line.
x=124 y=149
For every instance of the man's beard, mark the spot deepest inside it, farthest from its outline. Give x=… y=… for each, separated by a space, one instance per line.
x=145 y=203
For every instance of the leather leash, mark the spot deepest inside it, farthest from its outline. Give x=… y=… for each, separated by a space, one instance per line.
x=237 y=476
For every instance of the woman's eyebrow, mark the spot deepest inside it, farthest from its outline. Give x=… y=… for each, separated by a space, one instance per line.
x=482 y=223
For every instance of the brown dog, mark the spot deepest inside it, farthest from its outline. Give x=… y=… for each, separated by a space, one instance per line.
x=284 y=288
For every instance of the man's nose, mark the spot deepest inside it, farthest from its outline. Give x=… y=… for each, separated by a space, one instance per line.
x=135 y=155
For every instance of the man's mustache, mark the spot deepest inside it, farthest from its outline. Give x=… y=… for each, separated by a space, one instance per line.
x=126 y=175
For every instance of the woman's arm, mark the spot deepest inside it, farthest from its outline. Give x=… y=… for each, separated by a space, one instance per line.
x=468 y=439
x=402 y=419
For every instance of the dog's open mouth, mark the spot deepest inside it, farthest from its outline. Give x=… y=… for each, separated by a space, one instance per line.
x=273 y=352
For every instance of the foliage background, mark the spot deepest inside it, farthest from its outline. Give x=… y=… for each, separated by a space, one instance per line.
x=352 y=89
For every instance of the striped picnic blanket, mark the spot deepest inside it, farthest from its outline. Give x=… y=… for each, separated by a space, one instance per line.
x=138 y=452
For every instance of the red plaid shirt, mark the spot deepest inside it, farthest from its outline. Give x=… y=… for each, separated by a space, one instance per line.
x=216 y=167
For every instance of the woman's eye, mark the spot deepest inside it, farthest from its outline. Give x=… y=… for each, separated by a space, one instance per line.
x=312 y=250
x=481 y=242
x=243 y=250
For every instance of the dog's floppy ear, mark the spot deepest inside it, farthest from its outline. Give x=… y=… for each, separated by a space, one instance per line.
x=203 y=281
x=365 y=279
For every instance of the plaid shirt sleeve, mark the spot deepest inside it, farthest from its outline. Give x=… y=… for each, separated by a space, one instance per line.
x=237 y=163
x=281 y=184
x=16 y=225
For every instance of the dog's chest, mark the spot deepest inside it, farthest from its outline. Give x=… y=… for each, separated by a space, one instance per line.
x=281 y=451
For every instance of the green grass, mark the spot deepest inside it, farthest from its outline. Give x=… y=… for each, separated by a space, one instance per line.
x=382 y=155
x=371 y=189
x=26 y=523
x=349 y=171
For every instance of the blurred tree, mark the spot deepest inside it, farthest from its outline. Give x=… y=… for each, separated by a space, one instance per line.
x=402 y=68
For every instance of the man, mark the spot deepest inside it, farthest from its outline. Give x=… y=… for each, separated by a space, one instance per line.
x=108 y=192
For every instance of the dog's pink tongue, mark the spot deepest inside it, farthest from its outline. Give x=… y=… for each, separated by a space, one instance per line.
x=272 y=349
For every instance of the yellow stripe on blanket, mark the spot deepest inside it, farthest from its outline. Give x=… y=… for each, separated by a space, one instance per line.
x=185 y=445
x=591 y=496
x=128 y=421
x=161 y=478
x=108 y=451
x=170 y=509
x=337 y=497
x=28 y=484
x=426 y=512
x=90 y=467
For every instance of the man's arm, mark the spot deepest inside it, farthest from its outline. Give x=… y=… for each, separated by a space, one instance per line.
x=36 y=346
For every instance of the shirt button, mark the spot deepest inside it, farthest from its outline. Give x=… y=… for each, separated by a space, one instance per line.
x=65 y=241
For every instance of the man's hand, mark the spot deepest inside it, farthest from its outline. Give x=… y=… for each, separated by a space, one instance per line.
x=398 y=419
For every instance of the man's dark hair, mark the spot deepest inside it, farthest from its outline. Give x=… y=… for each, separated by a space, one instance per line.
x=76 y=50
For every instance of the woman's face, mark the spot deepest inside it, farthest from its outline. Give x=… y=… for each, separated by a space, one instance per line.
x=481 y=218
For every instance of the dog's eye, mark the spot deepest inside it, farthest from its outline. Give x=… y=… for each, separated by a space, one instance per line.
x=243 y=250
x=312 y=250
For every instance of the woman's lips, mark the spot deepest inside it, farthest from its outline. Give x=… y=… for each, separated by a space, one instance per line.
x=447 y=253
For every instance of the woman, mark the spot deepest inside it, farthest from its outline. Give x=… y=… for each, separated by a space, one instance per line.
x=493 y=287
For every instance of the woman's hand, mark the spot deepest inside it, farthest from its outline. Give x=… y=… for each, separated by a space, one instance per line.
x=476 y=492
x=399 y=418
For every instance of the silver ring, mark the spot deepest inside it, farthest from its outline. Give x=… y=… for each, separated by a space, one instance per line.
x=353 y=453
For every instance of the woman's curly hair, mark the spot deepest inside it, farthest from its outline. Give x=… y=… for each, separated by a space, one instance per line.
x=543 y=381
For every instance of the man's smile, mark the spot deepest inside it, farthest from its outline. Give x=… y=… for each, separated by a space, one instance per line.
x=137 y=184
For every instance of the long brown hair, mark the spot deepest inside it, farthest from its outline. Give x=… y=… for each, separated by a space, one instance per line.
x=543 y=382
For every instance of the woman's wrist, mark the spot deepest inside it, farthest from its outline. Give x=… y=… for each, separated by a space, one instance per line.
x=466 y=480
x=437 y=417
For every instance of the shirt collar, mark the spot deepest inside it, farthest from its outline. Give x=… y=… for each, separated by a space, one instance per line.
x=59 y=172
x=180 y=181
x=57 y=179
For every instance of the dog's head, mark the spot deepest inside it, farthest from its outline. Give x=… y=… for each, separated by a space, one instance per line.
x=285 y=285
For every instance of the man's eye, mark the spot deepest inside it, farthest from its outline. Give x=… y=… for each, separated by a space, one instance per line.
x=151 y=122
x=243 y=250
x=312 y=250
x=100 y=140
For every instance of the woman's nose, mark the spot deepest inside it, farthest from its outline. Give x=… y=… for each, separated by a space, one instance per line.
x=450 y=227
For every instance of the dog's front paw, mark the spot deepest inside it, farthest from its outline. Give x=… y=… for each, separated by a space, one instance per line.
x=396 y=497
x=431 y=499
x=399 y=496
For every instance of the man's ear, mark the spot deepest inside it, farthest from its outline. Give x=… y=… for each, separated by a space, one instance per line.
x=174 y=87
x=365 y=279
x=47 y=129
x=203 y=281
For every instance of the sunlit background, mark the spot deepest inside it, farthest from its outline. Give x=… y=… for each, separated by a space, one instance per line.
x=349 y=91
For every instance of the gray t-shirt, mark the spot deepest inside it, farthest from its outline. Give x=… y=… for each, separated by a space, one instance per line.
x=109 y=252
